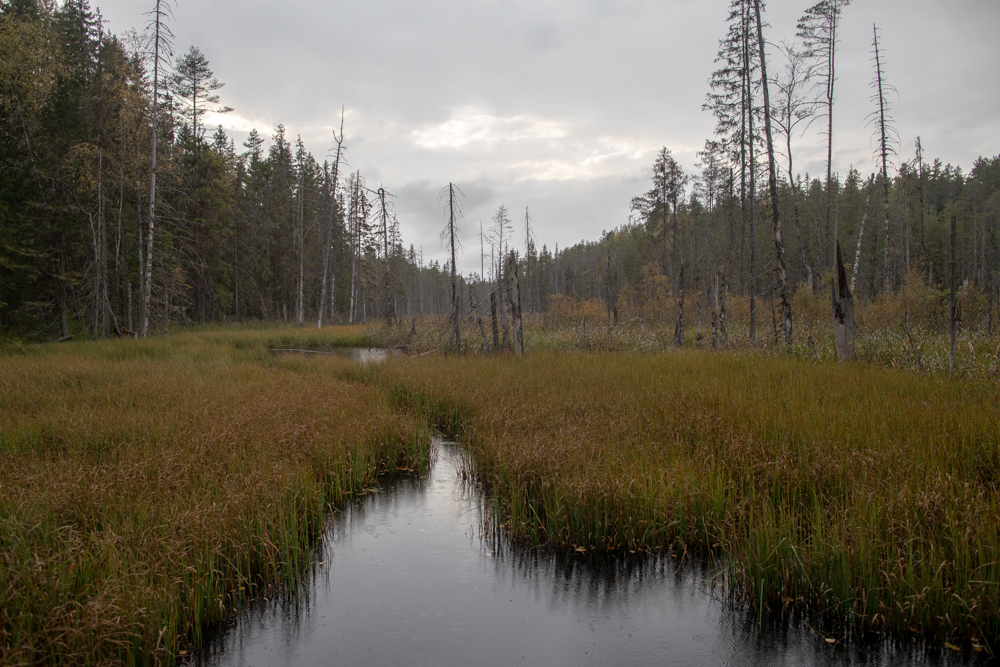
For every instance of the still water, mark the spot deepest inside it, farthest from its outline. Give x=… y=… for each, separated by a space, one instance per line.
x=405 y=577
x=361 y=354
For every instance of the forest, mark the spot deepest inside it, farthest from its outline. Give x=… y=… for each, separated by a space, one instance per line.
x=181 y=418
x=116 y=225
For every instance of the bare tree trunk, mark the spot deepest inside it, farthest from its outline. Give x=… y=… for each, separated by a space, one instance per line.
x=884 y=149
x=953 y=299
x=679 y=328
x=493 y=317
x=920 y=184
x=724 y=336
x=474 y=307
x=515 y=303
x=843 y=312
x=753 y=199
x=779 y=242
x=328 y=241
x=454 y=281
x=861 y=234
x=300 y=306
x=147 y=286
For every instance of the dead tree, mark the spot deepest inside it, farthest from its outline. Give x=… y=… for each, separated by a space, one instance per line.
x=328 y=272
x=953 y=300
x=473 y=306
x=679 y=328
x=450 y=233
x=843 y=312
x=162 y=42
x=885 y=135
x=818 y=29
x=779 y=242
x=792 y=110
x=515 y=305
x=384 y=216
x=493 y=319
x=861 y=234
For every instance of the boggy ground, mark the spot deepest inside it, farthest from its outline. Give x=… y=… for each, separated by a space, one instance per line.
x=146 y=487
x=866 y=496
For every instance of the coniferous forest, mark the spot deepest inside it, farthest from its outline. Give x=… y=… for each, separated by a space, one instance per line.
x=760 y=419
x=123 y=212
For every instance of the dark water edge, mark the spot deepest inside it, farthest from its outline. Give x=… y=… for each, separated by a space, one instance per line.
x=405 y=576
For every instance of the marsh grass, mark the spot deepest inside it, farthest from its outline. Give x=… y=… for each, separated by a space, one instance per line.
x=864 y=496
x=147 y=487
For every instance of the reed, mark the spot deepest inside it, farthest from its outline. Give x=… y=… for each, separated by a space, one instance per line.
x=865 y=496
x=147 y=487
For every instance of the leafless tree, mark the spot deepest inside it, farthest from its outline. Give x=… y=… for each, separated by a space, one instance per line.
x=886 y=140
x=779 y=243
x=453 y=204
x=792 y=110
x=162 y=49
x=819 y=31
x=328 y=240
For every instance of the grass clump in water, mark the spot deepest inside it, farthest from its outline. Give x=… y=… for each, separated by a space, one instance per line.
x=146 y=487
x=867 y=496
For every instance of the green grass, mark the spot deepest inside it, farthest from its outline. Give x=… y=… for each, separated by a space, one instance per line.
x=866 y=496
x=147 y=487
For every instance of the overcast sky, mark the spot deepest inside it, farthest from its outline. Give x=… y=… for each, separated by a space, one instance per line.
x=561 y=105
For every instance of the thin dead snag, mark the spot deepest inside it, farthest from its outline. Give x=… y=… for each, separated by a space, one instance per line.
x=476 y=317
x=843 y=313
x=779 y=242
x=861 y=234
x=515 y=306
x=328 y=273
x=493 y=317
x=679 y=328
x=953 y=298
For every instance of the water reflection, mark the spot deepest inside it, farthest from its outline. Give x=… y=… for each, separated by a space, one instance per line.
x=405 y=577
x=360 y=354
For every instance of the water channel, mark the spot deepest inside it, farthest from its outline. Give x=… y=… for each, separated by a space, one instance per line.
x=405 y=577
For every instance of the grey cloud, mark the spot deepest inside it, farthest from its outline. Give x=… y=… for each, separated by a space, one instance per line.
x=612 y=79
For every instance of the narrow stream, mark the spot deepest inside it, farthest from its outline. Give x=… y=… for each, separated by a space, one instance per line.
x=404 y=577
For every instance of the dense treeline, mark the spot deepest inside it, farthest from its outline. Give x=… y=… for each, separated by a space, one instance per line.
x=710 y=238
x=748 y=225
x=243 y=231
x=238 y=232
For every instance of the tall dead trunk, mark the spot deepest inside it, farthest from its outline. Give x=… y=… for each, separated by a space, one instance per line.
x=884 y=151
x=779 y=242
x=515 y=303
x=753 y=186
x=147 y=284
x=493 y=319
x=953 y=299
x=679 y=328
x=723 y=335
x=843 y=312
x=328 y=287
x=861 y=234
x=454 y=279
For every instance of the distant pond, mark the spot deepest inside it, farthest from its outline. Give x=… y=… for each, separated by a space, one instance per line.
x=362 y=354
x=404 y=577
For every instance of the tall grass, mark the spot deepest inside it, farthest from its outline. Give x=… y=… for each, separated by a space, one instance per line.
x=146 y=487
x=865 y=496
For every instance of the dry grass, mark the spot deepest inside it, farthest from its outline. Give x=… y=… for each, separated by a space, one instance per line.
x=146 y=487
x=865 y=496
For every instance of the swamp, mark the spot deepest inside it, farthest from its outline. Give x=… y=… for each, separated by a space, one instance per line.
x=153 y=491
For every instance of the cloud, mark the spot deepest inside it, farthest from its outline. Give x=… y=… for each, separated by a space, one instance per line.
x=472 y=127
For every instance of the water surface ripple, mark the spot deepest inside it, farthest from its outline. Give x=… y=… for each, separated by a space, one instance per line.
x=404 y=577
